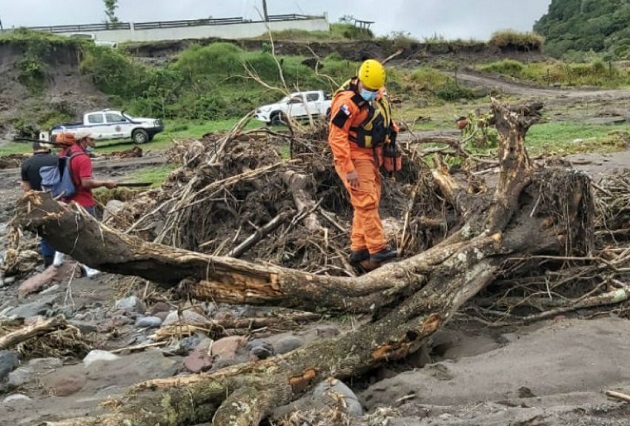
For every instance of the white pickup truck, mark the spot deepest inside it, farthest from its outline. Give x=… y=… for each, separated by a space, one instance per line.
x=298 y=105
x=109 y=124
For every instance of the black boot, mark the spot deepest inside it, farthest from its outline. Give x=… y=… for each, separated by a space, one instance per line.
x=48 y=260
x=384 y=255
x=356 y=257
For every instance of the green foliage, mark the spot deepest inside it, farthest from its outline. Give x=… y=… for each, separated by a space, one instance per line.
x=112 y=71
x=218 y=60
x=428 y=78
x=32 y=72
x=596 y=73
x=38 y=51
x=401 y=40
x=451 y=91
x=516 y=41
x=509 y=67
x=582 y=26
x=337 y=32
x=110 y=10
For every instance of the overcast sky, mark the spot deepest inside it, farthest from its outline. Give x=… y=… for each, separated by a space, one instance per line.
x=450 y=19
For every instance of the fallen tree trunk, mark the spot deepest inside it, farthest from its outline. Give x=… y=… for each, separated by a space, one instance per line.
x=410 y=299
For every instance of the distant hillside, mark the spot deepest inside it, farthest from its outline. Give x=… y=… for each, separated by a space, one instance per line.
x=600 y=26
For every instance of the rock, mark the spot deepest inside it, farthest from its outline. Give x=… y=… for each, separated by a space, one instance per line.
x=32 y=309
x=227 y=347
x=113 y=208
x=134 y=368
x=51 y=274
x=324 y=390
x=259 y=349
x=66 y=381
x=326 y=331
x=130 y=304
x=8 y=362
x=204 y=344
x=113 y=323
x=189 y=343
x=84 y=327
x=160 y=307
x=186 y=317
x=35 y=283
x=45 y=363
x=97 y=355
x=148 y=322
x=17 y=397
x=21 y=376
x=288 y=344
x=161 y=315
x=198 y=361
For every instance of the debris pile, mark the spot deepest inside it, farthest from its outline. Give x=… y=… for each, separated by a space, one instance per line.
x=235 y=195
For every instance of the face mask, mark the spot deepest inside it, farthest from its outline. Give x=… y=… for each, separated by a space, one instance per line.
x=367 y=95
x=89 y=149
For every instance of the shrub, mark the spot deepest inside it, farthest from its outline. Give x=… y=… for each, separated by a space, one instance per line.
x=506 y=66
x=512 y=40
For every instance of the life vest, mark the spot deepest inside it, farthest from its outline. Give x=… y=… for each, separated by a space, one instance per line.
x=376 y=127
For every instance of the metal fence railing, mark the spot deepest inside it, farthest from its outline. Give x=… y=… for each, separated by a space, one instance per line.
x=83 y=28
x=167 y=24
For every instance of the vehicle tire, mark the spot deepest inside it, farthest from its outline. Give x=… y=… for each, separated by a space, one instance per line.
x=140 y=136
x=328 y=115
x=276 y=118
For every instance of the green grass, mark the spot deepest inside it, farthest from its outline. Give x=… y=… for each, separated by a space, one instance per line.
x=179 y=130
x=156 y=175
x=563 y=138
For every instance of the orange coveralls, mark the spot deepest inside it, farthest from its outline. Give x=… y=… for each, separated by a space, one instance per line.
x=367 y=228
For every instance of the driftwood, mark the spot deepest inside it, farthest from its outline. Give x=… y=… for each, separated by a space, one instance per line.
x=31 y=332
x=409 y=300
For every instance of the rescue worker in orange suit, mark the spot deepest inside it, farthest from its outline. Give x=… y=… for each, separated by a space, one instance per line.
x=360 y=126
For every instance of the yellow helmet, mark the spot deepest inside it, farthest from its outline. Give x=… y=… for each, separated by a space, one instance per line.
x=372 y=74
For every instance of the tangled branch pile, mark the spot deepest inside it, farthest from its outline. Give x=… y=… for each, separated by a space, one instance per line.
x=551 y=285
x=236 y=195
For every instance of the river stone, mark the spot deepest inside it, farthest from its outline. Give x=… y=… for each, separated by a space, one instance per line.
x=32 y=309
x=288 y=344
x=21 y=376
x=8 y=362
x=97 y=355
x=148 y=322
x=45 y=363
x=17 y=397
x=131 y=304
x=186 y=317
x=323 y=392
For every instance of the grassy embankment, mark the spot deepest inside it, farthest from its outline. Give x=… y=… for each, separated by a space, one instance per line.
x=207 y=89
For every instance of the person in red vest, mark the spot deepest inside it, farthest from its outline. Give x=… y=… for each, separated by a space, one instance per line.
x=78 y=146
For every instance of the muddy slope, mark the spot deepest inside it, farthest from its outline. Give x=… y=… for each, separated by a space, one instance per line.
x=64 y=90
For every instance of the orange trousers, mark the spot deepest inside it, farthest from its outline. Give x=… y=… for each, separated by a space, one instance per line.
x=367 y=228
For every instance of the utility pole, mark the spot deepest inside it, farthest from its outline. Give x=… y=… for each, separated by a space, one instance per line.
x=264 y=5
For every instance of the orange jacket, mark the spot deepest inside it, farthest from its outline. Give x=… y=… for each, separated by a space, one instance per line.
x=344 y=150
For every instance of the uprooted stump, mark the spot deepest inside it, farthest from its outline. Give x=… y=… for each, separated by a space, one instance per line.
x=409 y=300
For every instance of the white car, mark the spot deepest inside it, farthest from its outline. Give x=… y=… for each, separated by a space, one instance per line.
x=92 y=38
x=109 y=124
x=298 y=105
